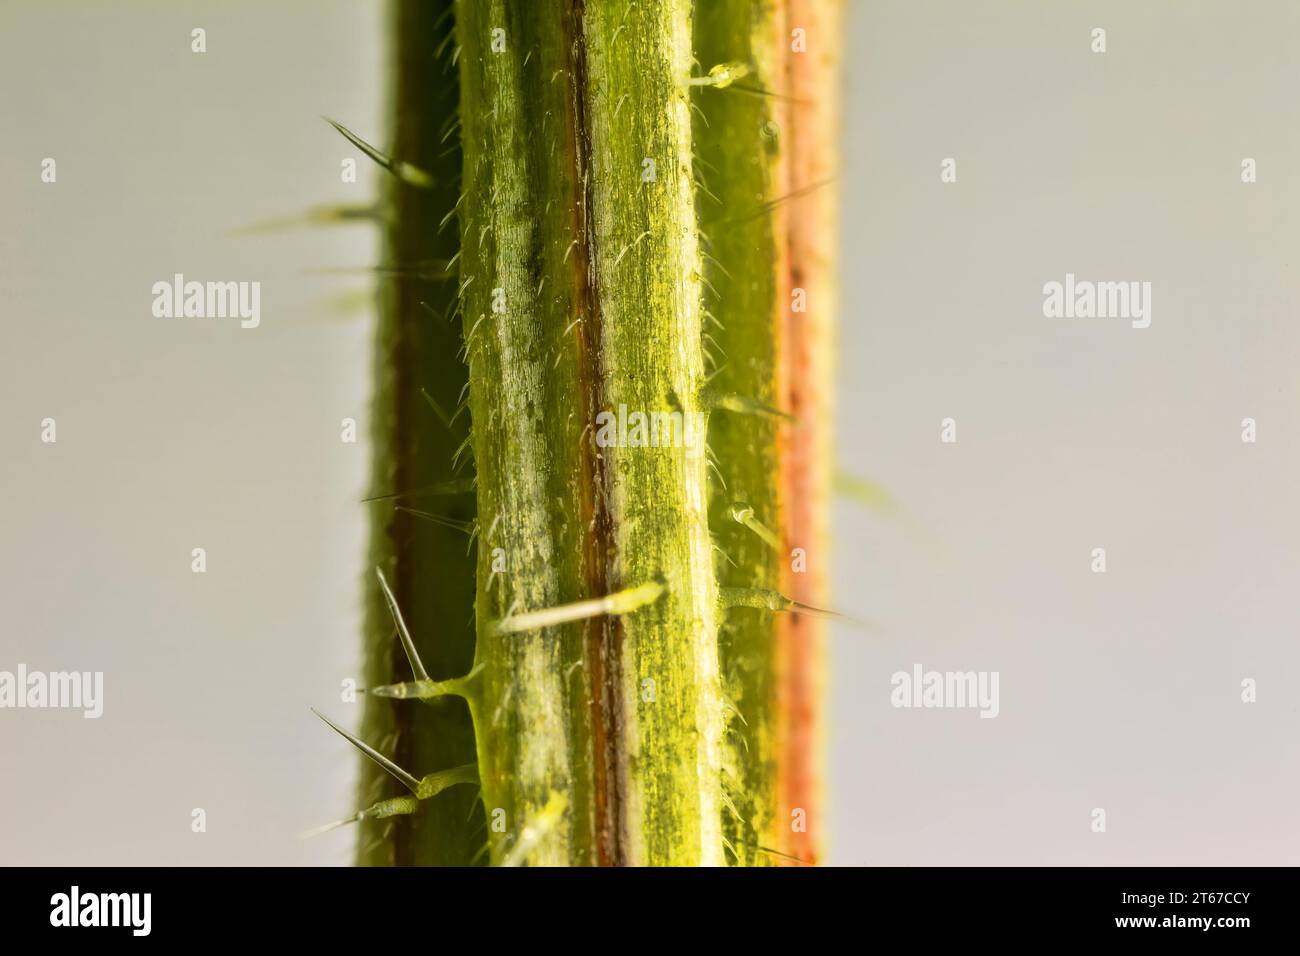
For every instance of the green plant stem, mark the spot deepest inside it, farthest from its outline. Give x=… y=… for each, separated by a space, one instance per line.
x=603 y=654
x=581 y=291
x=739 y=138
x=426 y=563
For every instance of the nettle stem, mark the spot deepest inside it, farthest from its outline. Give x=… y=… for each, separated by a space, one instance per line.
x=740 y=151
x=417 y=368
x=580 y=272
x=568 y=248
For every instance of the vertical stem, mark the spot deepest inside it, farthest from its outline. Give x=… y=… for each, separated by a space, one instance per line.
x=644 y=255
x=605 y=739
x=741 y=139
x=427 y=564
x=581 y=292
x=526 y=366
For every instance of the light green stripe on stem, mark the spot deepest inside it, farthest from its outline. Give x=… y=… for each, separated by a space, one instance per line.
x=644 y=255
x=739 y=138
x=517 y=302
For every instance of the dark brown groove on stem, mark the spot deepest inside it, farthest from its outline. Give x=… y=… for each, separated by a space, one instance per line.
x=604 y=658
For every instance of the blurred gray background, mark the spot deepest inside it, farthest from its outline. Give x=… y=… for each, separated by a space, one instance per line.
x=1118 y=690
